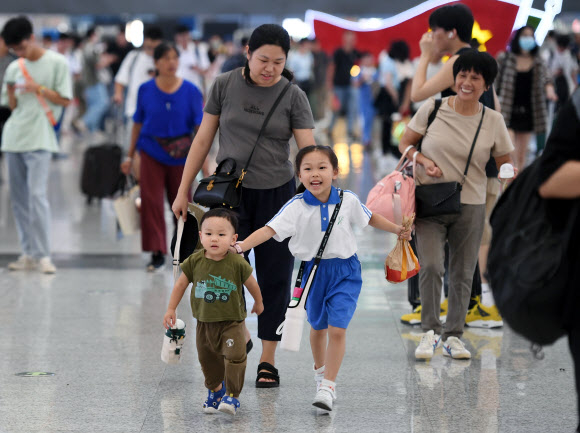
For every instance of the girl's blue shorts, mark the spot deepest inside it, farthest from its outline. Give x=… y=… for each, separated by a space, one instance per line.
x=334 y=292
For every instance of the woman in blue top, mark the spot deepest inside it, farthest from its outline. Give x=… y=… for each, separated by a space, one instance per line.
x=169 y=110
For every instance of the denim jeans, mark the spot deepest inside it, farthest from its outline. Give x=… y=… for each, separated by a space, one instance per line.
x=348 y=97
x=97 y=100
x=28 y=177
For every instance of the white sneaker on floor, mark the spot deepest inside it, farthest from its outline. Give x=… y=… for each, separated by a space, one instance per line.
x=429 y=342
x=454 y=348
x=325 y=395
x=319 y=377
x=46 y=266
x=24 y=263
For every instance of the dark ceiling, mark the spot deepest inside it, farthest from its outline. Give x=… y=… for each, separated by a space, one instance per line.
x=254 y=7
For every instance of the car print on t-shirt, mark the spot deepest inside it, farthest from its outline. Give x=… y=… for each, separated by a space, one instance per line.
x=217 y=288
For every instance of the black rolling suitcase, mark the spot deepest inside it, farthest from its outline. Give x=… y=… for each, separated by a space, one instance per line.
x=101 y=172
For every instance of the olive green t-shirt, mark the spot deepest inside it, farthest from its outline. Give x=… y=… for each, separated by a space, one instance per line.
x=217 y=294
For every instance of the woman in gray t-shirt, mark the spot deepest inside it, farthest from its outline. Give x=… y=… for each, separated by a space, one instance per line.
x=238 y=103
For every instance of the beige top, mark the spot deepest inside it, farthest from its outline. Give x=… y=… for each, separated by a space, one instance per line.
x=448 y=141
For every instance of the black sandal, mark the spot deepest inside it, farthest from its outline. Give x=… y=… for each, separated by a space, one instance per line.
x=270 y=373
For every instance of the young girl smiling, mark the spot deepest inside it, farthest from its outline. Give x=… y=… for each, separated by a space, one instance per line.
x=335 y=289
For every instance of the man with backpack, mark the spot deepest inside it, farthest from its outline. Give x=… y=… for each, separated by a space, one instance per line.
x=560 y=183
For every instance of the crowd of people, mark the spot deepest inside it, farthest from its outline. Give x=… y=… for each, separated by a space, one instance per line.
x=179 y=96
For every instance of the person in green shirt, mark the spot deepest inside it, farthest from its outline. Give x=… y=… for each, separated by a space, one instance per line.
x=38 y=86
x=218 y=304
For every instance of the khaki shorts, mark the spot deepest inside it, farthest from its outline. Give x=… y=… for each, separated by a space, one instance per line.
x=493 y=188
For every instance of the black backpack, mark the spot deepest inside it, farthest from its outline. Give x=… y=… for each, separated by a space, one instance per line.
x=527 y=267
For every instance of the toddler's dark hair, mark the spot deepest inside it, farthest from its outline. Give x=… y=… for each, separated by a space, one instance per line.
x=315 y=148
x=221 y=212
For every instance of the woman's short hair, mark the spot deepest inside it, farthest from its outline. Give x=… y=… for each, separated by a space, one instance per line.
x=478 y=62
x=458 y=17
x=163 y=48
x=515 y=42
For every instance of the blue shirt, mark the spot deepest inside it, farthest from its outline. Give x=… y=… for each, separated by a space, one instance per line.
x=166 y=115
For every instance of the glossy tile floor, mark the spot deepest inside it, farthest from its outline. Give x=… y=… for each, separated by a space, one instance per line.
x=96 y=324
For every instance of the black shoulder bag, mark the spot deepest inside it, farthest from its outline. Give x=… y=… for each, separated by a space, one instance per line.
x=224 y=187
x=443 y=198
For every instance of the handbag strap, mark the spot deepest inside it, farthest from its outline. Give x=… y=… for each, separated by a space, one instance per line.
x=266 y=120
x=473 y=146
x=322 y=244
x=180 y=224
x=430 y=120
x=41 y=100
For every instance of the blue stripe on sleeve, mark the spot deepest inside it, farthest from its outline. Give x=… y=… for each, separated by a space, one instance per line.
x=365 y=209
x=296 y=197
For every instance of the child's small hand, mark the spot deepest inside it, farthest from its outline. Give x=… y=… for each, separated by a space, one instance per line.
x=169 y=319
x=236 y=248
x=404 y=233
x=258 y=308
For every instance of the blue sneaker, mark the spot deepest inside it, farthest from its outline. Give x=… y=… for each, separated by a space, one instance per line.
x=229 y=405
x=213 y=399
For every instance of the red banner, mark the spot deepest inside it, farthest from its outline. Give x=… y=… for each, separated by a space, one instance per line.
x=494 y=20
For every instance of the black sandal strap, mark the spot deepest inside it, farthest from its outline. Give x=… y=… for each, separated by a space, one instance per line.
x=266 y=375
x=268 y=367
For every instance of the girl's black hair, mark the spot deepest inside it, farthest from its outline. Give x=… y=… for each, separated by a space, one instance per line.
x=515 y=43
x=478 y=62
x=315 y=148
x=221 y=212
x=268 y=34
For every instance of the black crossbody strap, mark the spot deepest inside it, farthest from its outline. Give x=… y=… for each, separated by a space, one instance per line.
x=473 y=146
x=266 y=120
x=322 y=244
x=430 y=120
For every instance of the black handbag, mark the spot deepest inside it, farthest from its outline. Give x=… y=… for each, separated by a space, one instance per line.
x=443 y=198
x=224 y=188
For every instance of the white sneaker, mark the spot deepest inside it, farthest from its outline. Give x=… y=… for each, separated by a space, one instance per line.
x=454 y=348
x=325 y=395
x=46 y=266
x=319 y=377
x=24 y=263
x=429 y=342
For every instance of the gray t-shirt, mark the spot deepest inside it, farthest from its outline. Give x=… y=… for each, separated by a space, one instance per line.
x=242 y=108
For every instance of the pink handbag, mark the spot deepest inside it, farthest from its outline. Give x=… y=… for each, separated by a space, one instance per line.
x=394 y=196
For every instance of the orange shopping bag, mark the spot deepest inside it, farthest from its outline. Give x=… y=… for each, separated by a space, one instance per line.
x=401 y=262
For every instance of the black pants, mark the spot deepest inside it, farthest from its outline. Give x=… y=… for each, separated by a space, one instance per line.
x=274 y=263
x=574 y=342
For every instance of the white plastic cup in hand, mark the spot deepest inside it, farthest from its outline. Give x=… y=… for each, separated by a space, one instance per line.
x=173 y=343
x=506 y=173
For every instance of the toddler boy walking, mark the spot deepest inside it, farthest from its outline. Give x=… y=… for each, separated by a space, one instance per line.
x=217 y=302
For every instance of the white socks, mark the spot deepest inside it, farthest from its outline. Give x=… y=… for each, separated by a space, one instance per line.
x=486 y=295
